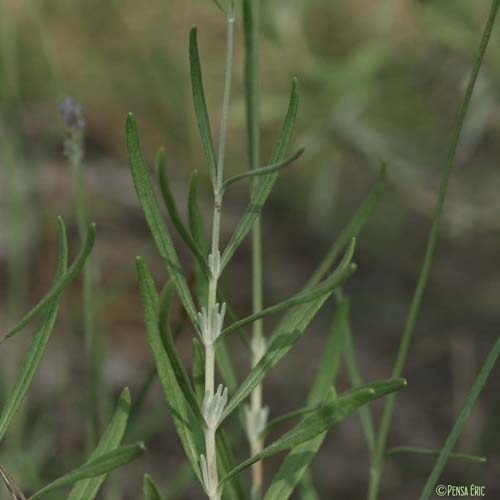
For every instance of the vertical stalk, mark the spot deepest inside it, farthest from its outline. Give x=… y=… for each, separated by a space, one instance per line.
x=212 y=307
x=91 y=355
x=252 y=90
x=377 y=459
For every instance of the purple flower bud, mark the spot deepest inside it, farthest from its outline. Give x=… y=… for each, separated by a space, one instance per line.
x=71 y=114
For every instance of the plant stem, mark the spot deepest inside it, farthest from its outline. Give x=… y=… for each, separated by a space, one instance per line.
x=429 y=253
x=91 y=355
x=252 y=22
x=210 y=448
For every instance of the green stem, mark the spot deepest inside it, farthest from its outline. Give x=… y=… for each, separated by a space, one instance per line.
x=91 y=354
x=210 y=448
x=429 y=253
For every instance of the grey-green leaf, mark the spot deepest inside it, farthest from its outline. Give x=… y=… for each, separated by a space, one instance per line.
x=180 y=410
x=150 y=490
x=269 y=169
x=104 y=464
x=59 y=285
x=198 y=370
x=353 y=228
x=39 y=343
x=171 y=207
x=428 y=452
x=161 y=235
x=200 y=104
x=110 y=440
x=330 y=414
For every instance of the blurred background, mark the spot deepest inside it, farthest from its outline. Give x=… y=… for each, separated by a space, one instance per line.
x=378 y=81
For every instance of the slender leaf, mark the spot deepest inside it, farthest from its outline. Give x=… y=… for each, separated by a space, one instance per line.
x=198 y=370
x=330 y=414
x=38 y=344
x=150 y=490
x=181 y=412
x=176 y=363
x=161 y=235
x=110 y=440
x=103 y=464
x=200 y=104
x=427 y=452
x=298 y=461
x=270 y=169
x=303 y=297
x=353 y=228
x=171 y=207
x=196 y=225
x=357 y=381
x=463 y=416
x=264 y=186
x=307 y=490
x=59 y=285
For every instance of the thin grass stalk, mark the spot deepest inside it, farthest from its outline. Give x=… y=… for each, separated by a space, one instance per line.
x=252 y=92
x=378 y=455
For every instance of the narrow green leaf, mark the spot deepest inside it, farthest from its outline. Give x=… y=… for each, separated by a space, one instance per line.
x=225 y=366
x=227 y=463
x=285 y=337
x=196 y=225
x=150 y=490
x=59 y=285
x=298 y=461
x=264 y=186
x=171 y=207
x=199 y=370
x=330 y=414
x=353 y=228
x=103 y=464
x=110 y=440
x=39 y=343
x=287 y=417
x=307 y=489
x=176 y=363
x=427 y=452
x=270 y=169
x=463 y=416
x=343 y=271
x=200 y=104
x=357 y=381
x=179 y=408
x=161 y=235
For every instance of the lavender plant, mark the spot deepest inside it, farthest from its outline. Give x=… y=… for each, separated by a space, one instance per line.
x=199 y=420
x=199 y=423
